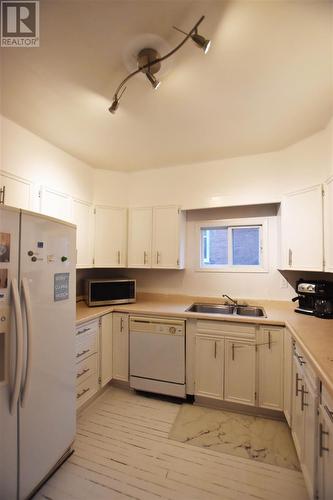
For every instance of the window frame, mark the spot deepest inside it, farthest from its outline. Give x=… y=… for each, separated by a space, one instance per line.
x=230 y=224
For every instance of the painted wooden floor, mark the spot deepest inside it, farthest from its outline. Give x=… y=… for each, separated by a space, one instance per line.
x=122 y=451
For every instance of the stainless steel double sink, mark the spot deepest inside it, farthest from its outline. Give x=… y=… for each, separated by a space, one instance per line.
x=235 y=310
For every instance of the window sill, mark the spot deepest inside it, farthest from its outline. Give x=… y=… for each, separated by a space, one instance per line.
x=234 y=269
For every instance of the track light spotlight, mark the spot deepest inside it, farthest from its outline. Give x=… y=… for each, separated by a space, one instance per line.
x=153 y=80
x=115 y=103
x=114 y=106
x=201 y=42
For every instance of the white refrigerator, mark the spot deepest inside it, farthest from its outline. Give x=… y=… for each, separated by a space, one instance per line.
x=37 y=355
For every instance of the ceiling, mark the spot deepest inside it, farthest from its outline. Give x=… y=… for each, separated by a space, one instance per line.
x=267 y=81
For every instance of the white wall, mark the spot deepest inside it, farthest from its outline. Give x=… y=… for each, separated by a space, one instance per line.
x=27 y=155
x=246 y=180
x=111 y=188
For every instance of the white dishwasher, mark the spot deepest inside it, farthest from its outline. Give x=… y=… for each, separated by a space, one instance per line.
x=157 y=355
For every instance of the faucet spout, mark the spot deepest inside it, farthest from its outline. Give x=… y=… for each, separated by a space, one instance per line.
x=231 y=300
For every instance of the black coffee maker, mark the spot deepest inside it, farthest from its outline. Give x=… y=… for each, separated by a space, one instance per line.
x=315 y=297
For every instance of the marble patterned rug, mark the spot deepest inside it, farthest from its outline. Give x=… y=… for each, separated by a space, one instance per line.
x=257 y=438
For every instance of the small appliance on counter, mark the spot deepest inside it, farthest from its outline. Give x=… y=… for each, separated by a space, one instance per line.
x=104 y=292
x=315 y=297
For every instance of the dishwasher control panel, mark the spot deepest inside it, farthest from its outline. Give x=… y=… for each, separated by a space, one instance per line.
x=162 y=326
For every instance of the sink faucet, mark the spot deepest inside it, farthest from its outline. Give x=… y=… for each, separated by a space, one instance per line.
x=232 y=300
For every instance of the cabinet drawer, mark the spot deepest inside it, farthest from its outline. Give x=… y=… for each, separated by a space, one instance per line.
x=85 y=328
x=86 y=346
x=86 y=389
x=227 y=328
x=304 y=364
x=85 y=368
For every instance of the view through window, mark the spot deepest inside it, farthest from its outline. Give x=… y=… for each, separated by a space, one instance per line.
x=231 y=246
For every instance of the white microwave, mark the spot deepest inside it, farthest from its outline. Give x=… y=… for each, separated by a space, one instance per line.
x=103 y=292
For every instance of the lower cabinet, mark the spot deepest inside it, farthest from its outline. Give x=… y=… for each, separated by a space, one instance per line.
x=240 y=363
x=240 y=372
x=106 y=349
x=325 y=448
x=287 y=375
x=209 y=356
x=87 y=366
x=270 y=360
x=304 y=418
x=120 y=347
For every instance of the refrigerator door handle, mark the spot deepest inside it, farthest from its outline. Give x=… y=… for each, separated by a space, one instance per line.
x=28 y=310
x=19 y=346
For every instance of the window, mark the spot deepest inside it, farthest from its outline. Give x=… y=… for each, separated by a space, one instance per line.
x=236 y=245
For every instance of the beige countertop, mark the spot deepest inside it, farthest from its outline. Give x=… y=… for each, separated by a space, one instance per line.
x=314 y=335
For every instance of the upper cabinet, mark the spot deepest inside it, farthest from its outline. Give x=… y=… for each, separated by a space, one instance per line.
x=140 y=228
x=110 y=237
x=302 y=230
x=156 y=237
x=328 y=227
x=168 y=238
x=82 y=217
x=55 y=204
x=15 y=191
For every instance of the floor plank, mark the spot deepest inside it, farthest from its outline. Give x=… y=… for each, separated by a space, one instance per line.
x=122 y=451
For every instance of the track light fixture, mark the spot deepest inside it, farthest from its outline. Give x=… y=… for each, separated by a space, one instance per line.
x=149 y=62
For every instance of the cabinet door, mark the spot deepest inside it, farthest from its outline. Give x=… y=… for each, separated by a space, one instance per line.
x=325 y=452
x=239 y=384
x=83 y=219
x=328 y=224
x=270 y=352
x=120 y=346
x=309 y=405
x=297 y=426
x=287 y=374
x=106 y=349
x=302 y=229
x=110 y=237
x=140 y=225
x=209 y=354
x=55 y=204
x=16 y=192
x=168 y=234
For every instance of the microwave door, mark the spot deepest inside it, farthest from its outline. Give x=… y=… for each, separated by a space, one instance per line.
x=111 y=292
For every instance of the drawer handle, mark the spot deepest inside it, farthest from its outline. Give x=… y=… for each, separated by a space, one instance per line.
x=301 y=359
x=298 y=379
x=321 y=434
x=82 y=353
x=83 y=331
x=303 y=404
x=233 y=352
x=290 y=257
x=80 y=394
x=86 y=370
x=329 y=413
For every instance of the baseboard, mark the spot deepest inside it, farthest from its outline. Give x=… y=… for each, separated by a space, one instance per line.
x=239 y=408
